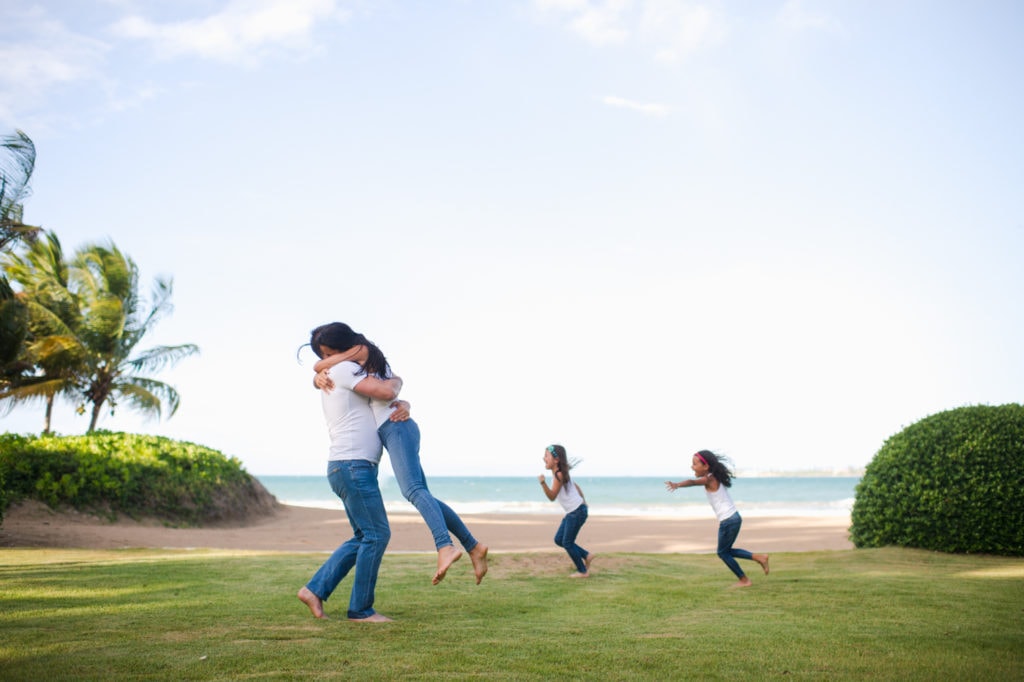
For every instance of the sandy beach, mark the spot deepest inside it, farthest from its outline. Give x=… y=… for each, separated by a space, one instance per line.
x=306 y=529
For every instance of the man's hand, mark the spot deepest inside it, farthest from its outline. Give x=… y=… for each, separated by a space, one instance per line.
x=401 y=411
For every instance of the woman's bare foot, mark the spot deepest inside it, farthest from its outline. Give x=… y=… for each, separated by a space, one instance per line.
x=446 y=556
x=577 y=574
x=479 y=557
x=763 y=560
x=313 y=602
x=375 y=618
x=742 y=582
x=587 y=560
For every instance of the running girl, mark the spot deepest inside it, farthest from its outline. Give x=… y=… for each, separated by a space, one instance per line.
x=570 y=496
x=715 y=476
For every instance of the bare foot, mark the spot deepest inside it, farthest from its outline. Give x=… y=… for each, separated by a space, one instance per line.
x=446 y=556
x=313 y=602
x=375 y=618
x=479 y=558
x=742 y=582
x=586 y=562
x=577 y=574
x=763 y=560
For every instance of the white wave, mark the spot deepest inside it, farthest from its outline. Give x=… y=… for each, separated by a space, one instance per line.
x=839 y=508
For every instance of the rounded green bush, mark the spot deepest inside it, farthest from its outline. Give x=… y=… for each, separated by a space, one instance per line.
x=952 y=482
x=138 y=475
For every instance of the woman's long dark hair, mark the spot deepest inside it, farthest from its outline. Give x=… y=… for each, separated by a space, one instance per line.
x=717 y=466
x=341 y=337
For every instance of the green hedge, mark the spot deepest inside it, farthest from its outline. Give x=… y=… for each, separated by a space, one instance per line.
x=952 y=482
x=3 y=495
x=121 y=473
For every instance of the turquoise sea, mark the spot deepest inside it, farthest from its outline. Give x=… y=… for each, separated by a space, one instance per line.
x=606 y=495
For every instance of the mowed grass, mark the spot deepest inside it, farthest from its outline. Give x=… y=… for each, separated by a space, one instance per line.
x=888 y=614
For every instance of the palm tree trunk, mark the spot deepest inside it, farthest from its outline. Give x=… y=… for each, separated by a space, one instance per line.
x=49 y=414
x=95 y=416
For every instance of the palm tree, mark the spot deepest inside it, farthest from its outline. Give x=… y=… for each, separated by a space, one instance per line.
x=87 y=320
x=50 y=345
x=113 y=323
x=17 y=161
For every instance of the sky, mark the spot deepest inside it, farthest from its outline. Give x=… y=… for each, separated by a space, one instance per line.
x=783 y=230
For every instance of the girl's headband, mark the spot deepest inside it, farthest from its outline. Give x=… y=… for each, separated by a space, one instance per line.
x=701 y=458
x=551 y=449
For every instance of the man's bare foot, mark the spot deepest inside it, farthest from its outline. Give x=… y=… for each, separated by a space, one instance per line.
x=763 y=560
x=479 y=557
x=577 y=574
x=313 y=602
x=446 y=556
x=742 y=582
x=375 y=618
x=586 y=561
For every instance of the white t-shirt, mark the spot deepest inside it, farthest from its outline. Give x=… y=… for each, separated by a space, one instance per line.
x=382 y=409
x=350 y=421
x=569 y=497
x=721 y=502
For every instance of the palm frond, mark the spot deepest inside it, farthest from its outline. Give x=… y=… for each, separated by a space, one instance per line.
x=16 y=168
x=156 y=359
x=32 y=389
x=160 y=302
x=149 y=396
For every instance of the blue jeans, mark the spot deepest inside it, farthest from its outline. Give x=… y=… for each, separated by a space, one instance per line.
x=402 y=440
x=728 y=531
x=355 y=482
x=566 y=536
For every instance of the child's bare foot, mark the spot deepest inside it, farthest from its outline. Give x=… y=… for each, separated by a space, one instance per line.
x=577 y=574
x=375 y=618
x=742 y=582
x=763 y=560
x=446 y=556
x=479 y=557
x=313 y=602
x=586 y=561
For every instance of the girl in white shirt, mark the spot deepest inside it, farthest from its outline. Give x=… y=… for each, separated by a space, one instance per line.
x=570 y=496
x=715 y=476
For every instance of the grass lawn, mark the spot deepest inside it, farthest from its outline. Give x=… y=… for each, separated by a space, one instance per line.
x=888 y=614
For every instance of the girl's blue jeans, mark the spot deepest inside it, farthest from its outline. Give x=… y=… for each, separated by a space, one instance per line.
x=355 y=482
x=728 y=531
x=402 y=440
x=566 y=536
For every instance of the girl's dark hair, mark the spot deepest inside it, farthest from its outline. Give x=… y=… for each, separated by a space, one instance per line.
x=717 y=466
x=562 y=471
x=341 y=337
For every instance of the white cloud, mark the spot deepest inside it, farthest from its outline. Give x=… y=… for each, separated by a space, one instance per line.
x=671 y=29
x=677 y=29
x=795 y=17
x=39 y=54
x=603 y=24
x=135 y=99
x=599 y=23
x=649 y=109
x=239 y=32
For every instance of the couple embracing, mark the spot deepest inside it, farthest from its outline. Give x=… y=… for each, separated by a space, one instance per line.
x=359 y=397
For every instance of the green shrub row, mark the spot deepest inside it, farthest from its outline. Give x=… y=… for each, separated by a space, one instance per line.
x=113 y=473
x=952 y=482
x=3 y=496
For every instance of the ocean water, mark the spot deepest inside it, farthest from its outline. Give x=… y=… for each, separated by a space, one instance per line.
x=606 y=495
